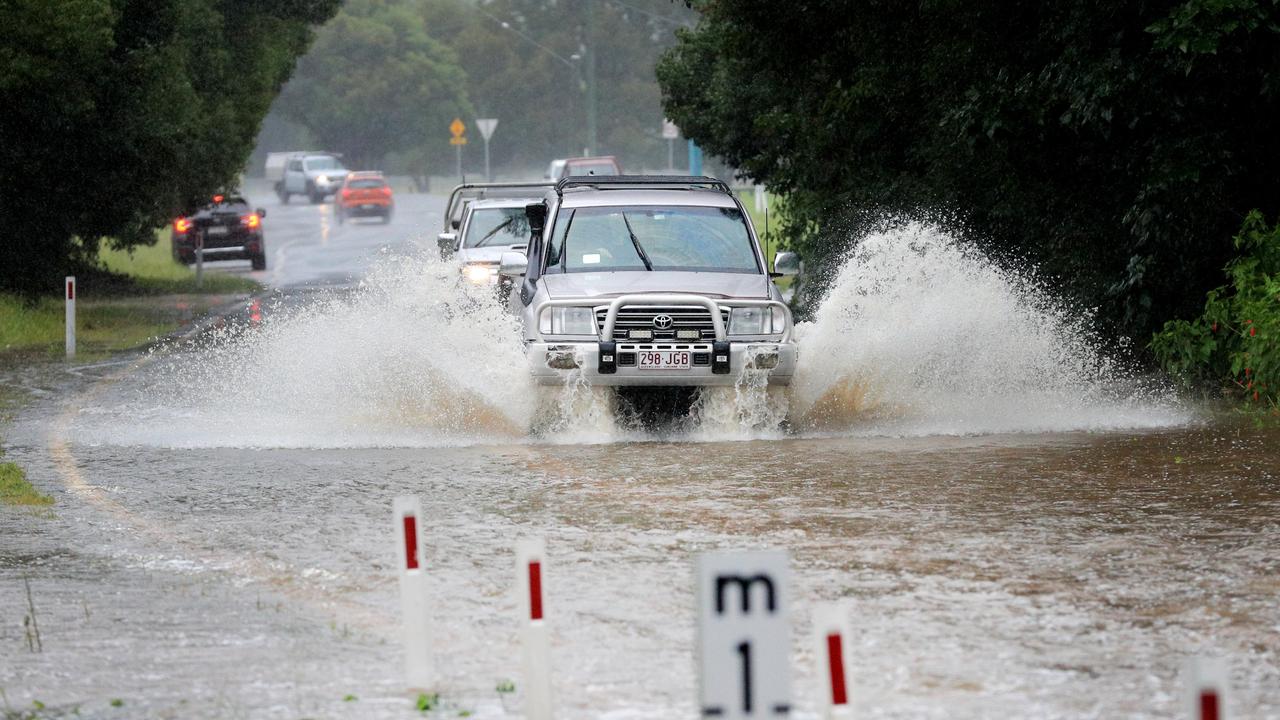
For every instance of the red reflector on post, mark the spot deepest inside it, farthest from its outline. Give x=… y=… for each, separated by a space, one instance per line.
x=71 y=289
x=835 y=666
x=411 y=542
x=1209 y=706
x=535 y=591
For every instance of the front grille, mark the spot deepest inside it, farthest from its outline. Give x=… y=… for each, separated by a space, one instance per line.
x=640 y=317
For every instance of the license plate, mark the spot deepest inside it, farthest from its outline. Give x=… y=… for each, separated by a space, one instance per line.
x=664 y=360
x=216 y=230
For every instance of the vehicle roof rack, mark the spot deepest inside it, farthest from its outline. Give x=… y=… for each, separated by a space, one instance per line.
x=629 y=182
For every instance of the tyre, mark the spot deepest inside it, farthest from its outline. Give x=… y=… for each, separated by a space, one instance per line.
x=258 y=262
x=284 y=197
x=311 y=194
x=386 y=218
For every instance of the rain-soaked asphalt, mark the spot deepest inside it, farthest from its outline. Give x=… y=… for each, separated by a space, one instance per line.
x=1048 y=574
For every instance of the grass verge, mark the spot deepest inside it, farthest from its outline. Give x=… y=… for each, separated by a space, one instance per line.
x=137 y=296
x=15 y=489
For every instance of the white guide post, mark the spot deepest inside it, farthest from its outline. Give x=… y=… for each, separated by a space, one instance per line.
x=744 y=635
x=830 y=653
x=414 y=598
x=1207 y=689
x=71 y=315
x=531 y=567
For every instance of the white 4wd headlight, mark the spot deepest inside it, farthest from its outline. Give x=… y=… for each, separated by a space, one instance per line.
x=568 y=321
x=480 y=274
x=757 y=321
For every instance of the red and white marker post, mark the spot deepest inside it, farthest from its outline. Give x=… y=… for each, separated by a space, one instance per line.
x=414 y=598
x=831 y=653
x=1209 y=679
x=531 y=567
x=70 y=293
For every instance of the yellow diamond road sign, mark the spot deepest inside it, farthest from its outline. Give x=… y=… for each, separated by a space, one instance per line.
x=457 y=128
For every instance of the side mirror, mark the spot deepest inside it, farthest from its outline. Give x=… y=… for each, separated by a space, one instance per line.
x=446 y=242
x=262 y=212
x=786 y=263
x=513 y=264
x=537 y=215
x=456 y=223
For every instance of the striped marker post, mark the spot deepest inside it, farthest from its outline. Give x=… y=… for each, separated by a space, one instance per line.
x=1207 y=689
x=531 y=566
x=414 y=600
x=830 y=652
x=71 y=315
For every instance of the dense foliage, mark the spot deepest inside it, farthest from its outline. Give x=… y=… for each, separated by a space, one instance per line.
x=119 y=114
x=376 y=82
x=1115 y=144
x=532 y=74
x=1236 y=340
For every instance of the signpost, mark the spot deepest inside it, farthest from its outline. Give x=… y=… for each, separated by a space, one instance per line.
x=457 y=129
x=407 y=518
x=831 y=643
x=669 y=133
x=1208 y=688
x=486 y=127
x=743 y=635
x=531 y=564
x=71 y=316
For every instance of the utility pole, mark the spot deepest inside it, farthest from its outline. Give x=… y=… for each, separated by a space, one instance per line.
x=591 y=78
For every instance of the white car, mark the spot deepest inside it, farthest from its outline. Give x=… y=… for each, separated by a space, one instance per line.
x=648 y=281
x=485 y=220
x=316 y=175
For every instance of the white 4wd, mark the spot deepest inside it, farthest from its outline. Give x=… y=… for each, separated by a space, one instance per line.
x=654 y=281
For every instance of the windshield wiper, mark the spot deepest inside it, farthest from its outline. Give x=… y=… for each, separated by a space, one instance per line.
x=494 y=231
x=636 y=241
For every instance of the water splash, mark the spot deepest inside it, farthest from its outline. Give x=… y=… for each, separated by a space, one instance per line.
x=921 y=334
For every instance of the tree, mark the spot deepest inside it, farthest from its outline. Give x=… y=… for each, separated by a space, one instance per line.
x=1115 y=145
x=120 y=114
x=376 y=83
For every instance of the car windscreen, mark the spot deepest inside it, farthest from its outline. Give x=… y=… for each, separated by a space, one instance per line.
x=367 y=183
x=494 y=227
x=595 y=168
x=323 y=163
x=695 y=239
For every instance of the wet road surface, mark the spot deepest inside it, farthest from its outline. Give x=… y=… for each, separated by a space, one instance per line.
x=1048 y=574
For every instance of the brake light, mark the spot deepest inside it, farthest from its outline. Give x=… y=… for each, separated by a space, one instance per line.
x=251 y=221
x=386 y=190
x=181 y=225
x=346 y=193
x=217 y=198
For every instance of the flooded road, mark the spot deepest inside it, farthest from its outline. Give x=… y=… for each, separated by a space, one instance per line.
x=1022 y=529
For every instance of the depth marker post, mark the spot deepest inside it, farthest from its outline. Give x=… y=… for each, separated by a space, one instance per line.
x=71 y=315
x=1207 y=693
x=531 y=566
x=830 y=653
x=414 y=599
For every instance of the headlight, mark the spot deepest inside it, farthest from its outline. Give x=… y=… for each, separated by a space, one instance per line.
x=323 y=179
x=568 y=321
x=480 y=274
x=757 y=321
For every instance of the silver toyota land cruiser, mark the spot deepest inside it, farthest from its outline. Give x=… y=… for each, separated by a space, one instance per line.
x=650 y=281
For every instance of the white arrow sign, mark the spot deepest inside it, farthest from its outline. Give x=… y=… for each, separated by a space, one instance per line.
x=486 y=126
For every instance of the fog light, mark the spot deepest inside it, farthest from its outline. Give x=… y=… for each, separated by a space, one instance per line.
x=562 y=360
x=688 y=334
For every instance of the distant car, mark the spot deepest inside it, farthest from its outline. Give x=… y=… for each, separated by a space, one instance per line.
x=230 y=228
x=364 y=194
x=316 y=175
x=574 y=167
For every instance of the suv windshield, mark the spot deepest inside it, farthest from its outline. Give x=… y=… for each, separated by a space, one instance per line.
x=707 y=239
x=492 y=227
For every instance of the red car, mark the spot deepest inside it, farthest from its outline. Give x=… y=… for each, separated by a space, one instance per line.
x=364 y=194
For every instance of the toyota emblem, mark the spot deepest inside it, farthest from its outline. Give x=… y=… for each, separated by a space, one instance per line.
x=662 y=322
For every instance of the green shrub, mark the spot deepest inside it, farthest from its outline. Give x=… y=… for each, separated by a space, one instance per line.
x=1236 y=340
